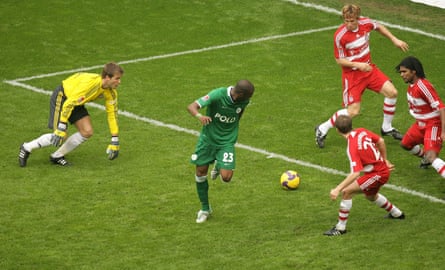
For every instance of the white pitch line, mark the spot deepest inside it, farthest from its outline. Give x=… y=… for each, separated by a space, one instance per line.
x=239 y=145
x=334 y=11
x=18 y=83
x=212 y=48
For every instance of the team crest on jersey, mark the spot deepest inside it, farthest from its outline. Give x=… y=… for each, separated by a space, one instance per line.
x=79 y=100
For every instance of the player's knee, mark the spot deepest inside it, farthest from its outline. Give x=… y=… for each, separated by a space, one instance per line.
x=86 y=133
x=201 y=171
x=388 y=90
x=347 y=195
x=226 y=176
x=353 y=113
x=353 y=110
x=392 y=94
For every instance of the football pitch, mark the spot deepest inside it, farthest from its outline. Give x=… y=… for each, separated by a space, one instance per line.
x=138 y=212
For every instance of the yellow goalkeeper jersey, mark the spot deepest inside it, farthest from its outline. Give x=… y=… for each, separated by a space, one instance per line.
x=81 y=88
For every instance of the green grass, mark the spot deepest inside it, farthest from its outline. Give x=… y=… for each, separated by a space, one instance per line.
x=138 y=211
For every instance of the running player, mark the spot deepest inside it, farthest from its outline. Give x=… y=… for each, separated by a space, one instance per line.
x=216 y=143
x=353 y=54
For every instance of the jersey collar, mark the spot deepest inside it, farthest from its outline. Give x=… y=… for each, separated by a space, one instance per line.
x=228 y=93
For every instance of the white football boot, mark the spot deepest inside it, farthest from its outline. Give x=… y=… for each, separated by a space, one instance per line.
x=202 y=216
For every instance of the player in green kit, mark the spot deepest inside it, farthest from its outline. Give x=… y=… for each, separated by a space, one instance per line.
x=219 y=133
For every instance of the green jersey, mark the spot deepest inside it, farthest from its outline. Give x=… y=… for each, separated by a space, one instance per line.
x=225 y=114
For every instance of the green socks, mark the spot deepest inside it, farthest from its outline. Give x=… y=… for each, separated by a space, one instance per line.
x=203 y=194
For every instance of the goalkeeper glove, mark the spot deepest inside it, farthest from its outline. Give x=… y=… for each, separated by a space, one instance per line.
x=113 y=148
x=59 y=134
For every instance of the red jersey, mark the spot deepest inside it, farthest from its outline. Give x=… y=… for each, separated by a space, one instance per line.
x=363 y=153
x=423 y=100
x=354 y=45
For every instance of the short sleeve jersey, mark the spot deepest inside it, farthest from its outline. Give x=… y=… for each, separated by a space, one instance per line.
x=363 y=153
x=423 y=100
x=225 y=114
x=81 y=88
x=354 y=45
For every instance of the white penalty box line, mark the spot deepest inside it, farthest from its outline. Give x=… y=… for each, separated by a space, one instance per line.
x=19 y=82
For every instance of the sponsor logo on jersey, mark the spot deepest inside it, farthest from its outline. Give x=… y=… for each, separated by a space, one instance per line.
x=225 y=119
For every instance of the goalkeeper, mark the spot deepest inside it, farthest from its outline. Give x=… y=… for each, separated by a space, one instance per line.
x=67 y=104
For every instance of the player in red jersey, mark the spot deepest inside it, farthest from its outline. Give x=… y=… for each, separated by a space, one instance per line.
x=352 y=53
x=367 y=153
x=428 y=109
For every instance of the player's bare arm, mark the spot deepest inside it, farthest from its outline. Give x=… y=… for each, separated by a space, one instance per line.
x=193 y=109
x=402 y=45
x=381 y=146
x=355 y=65
x=346 y=182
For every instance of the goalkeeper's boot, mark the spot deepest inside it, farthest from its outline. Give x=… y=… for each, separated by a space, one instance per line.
x=203 y=216
x=393 y=133
x=23 y=156
x=59 y=161
x=334 y=232
x=319 y=137
x=424 y=163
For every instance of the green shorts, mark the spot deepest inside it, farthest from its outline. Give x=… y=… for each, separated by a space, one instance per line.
x=206 y=154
